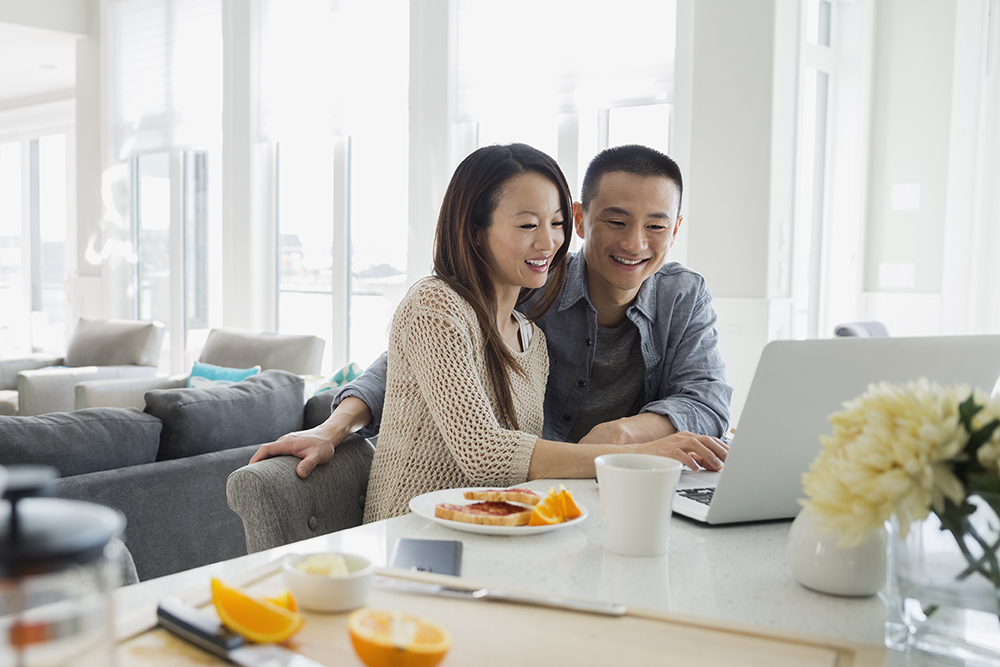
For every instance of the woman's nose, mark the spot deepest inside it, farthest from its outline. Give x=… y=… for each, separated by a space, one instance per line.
x=548 y=238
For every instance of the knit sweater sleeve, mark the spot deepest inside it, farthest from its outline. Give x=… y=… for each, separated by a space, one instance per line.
x=445 y=357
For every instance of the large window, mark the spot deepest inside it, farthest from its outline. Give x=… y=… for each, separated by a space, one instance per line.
x=34 y=182
x=341 y=167
x=569 y=101
x=167 y=90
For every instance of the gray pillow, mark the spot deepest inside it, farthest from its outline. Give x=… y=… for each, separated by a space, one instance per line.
x=259 y=409
x=115 y=343
x=81 y=441
x=318 y=409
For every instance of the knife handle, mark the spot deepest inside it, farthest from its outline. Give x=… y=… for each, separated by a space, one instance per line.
x=588 y=606
x=197 y=627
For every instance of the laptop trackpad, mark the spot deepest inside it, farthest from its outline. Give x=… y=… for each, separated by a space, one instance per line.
x=693 y=479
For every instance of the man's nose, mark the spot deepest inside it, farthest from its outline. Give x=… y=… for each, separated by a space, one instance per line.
x=633 y=239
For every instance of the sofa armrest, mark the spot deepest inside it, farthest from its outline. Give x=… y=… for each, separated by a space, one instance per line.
x=123 y=393
x=277 y=507
x=54 y=389
x=176 y=510
x=10 y=368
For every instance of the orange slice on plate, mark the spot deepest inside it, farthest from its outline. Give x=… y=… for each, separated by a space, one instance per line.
x=570 y=509
x=390 y=638
x=255 y=618
x=548 y=511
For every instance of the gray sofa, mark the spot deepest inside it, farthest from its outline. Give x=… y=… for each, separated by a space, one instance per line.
x=166 y=467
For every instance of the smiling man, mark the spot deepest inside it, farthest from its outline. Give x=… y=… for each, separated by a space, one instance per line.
x=633 y=351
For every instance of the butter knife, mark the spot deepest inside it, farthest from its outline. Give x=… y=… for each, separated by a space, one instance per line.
x=205 y=631
x=502 y=595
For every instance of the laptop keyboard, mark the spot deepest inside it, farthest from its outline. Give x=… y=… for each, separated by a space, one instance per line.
x=702 y=495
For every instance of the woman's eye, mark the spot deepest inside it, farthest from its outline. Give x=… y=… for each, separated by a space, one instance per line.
x=559 y=223
x=529 y=226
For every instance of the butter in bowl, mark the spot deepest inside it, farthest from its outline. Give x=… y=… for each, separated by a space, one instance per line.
x=329 y=581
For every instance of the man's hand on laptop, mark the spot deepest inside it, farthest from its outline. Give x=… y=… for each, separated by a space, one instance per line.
x=694 y=451
x=630 y=430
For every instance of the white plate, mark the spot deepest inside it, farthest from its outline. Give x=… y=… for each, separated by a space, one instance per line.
x=424 y=506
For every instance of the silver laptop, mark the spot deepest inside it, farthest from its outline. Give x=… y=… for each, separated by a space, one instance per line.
x=798 y=384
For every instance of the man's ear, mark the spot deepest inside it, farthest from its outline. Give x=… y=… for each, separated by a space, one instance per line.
x=578 y=218
x=677 y=226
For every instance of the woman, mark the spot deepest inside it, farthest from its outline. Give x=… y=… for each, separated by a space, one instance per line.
x=466 y=371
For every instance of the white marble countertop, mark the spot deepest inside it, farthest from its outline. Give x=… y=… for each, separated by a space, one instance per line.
x=736 y=573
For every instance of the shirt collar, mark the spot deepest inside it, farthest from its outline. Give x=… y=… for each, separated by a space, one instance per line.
x=575 y=287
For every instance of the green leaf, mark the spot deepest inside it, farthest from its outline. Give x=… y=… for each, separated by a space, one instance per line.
x=967 y=410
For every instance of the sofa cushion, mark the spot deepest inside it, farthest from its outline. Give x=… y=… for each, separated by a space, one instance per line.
x=82 y=441
x=318 y=409
x=115 y=343
x=257 y=410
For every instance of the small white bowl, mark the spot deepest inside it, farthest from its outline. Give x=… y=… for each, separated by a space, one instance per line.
x=322 y=592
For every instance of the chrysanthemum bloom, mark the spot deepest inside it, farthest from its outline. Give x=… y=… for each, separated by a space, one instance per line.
x=889 y=454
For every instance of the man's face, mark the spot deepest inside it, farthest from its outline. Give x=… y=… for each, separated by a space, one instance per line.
x=629 y=226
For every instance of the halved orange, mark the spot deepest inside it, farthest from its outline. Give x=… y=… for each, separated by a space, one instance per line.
x=285 y=600
x=390 y=638
x=255 y=618
x=570 y=509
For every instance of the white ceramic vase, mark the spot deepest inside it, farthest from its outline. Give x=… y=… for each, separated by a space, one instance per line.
x=819 y=563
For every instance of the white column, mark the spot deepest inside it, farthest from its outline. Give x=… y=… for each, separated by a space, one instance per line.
x=248 y=226
x=431 y=160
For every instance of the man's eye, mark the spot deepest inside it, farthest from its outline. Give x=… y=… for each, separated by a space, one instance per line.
x=617 y=223
x=657 y=227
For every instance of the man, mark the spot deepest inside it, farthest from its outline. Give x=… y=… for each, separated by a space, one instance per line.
x=633 y=351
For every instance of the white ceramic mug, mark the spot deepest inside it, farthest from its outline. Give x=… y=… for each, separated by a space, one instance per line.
x=637 y=492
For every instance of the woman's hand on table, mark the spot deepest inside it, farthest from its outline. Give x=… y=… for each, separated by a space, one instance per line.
x=693 y=450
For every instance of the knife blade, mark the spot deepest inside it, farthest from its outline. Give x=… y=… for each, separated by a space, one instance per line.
x=502 y=595
x=207 y=632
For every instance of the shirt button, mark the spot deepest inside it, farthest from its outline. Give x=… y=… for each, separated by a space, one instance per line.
x=582 y=383
x=589 y=342
x=567 y=417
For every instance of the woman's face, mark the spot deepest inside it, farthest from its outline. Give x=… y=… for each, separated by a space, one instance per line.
x=526 y=230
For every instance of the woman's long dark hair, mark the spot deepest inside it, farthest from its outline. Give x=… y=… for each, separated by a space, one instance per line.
x=473 y=195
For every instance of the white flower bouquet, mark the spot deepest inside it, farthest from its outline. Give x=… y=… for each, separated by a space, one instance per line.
x=907 y=451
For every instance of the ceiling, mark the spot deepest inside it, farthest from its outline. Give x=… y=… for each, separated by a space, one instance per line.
x=34 y=62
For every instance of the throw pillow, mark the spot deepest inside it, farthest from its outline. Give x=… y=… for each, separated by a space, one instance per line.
x=210 y=375
x=114 y=343
x=81 y=441
x=259 y=409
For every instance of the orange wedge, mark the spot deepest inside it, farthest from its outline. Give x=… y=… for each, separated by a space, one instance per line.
x=255 y=618
x=548 y=511
x=286 y=601
x=390 y=638
x=570 y=509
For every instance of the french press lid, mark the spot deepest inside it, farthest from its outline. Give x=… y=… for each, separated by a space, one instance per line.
x=39 y=534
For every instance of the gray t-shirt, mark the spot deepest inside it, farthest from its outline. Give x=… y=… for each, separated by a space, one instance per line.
x=615 y=386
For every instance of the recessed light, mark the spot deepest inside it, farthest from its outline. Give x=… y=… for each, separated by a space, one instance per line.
x=46 y=66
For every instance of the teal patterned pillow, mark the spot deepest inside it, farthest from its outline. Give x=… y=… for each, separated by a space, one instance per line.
x=210 y=375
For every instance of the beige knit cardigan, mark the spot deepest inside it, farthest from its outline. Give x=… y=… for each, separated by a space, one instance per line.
x=440 y=428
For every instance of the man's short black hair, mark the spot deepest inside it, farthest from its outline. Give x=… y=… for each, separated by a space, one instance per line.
x=632 y=159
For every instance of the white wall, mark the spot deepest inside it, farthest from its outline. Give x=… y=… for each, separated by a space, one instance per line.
x=737 y=64
x=73 y=16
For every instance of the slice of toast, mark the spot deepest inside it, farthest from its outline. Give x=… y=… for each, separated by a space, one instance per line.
x=485 y=513
x=526 y=496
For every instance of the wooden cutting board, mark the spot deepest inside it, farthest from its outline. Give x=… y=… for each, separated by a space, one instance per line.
x=494 y=633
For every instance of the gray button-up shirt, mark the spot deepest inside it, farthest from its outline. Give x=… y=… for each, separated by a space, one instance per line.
x=685 y=375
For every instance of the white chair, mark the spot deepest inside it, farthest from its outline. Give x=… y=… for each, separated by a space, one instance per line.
x=232 y=348
x=99 y=349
